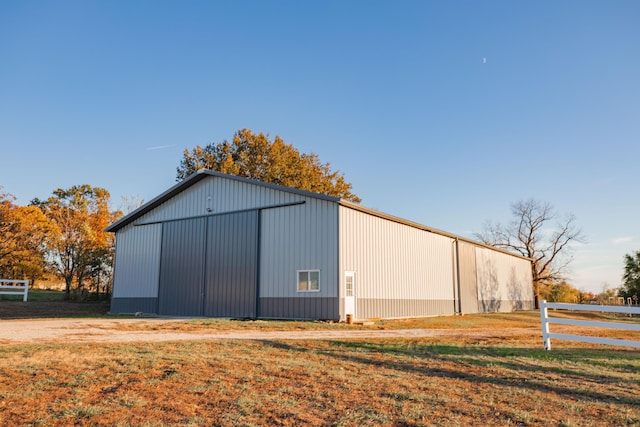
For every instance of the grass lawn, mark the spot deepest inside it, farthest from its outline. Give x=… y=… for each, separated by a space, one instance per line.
x=49 y=304
x=36 y=295
x=501 y=381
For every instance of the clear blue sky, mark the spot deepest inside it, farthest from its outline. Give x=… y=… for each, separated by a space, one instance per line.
x=395 y=94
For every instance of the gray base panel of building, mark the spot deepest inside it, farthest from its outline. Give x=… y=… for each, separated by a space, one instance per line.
x=276 y=308
x=299 y=308
x=134 y=305
x=327 y=308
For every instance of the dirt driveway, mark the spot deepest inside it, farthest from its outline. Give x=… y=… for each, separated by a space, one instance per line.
x=148 y=330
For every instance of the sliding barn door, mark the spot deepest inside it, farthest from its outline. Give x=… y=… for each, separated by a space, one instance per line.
x=231 y=277
x=182 y=268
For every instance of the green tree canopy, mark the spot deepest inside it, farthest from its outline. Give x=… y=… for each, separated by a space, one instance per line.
x=254 y=156
x=631 y=277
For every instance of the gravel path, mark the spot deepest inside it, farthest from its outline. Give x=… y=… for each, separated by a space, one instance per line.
x=106 y=330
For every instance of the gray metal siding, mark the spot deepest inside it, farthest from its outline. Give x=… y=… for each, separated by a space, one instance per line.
x=137 y=267
x=400 y=308
x=504 y=282
x=216 y=195
x=300 y=308
x=134 y=305
x=468 y=282
x=301 y=237
x=401 y=271
x=182 y=268
x=232 y=265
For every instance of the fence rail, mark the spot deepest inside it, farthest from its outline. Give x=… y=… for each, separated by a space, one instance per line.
x=546 y=320
x=14 y=287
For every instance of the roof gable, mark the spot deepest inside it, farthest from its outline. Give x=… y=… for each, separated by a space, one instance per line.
x=197 y=177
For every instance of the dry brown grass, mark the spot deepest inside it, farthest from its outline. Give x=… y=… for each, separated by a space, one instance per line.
x=530 y=319
x=482 y=379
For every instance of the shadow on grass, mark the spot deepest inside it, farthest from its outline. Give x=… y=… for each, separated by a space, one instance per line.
x=528 y=359
x=523 y=368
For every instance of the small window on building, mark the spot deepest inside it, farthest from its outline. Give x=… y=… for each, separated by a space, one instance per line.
x=308 y=280
x=349 y=285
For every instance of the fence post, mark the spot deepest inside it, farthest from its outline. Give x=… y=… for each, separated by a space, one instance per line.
x=544 y=320
x=26 y=290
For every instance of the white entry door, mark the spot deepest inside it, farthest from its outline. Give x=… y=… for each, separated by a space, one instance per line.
x=349 y=294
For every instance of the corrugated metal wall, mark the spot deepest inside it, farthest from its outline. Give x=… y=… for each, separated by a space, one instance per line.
x=182 y=268
x=215 y=195
x=401 y=271
x=137 y=269
x=504 y=282
x=138 y=262
x=231 y=265
x=468 y=281
x=301 y=237
x=209 y=266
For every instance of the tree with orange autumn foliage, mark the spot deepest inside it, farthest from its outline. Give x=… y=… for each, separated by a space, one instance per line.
x=23 y=229
x=79 y=250
x=255 y=156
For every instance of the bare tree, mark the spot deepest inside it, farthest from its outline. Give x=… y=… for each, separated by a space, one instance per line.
x=540 y=234
x=130 y=204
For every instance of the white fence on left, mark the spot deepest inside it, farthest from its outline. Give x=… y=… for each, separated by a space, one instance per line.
x=14 y=287
x=546 y=335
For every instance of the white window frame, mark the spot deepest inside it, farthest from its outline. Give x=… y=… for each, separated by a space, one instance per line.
x=349 y=292
x=308 y=280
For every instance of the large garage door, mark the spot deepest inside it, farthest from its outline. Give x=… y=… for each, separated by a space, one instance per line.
x=182 y=268
x=232 y=265
x=209 y=266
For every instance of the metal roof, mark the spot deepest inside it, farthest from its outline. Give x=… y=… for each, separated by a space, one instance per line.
x=203 y=173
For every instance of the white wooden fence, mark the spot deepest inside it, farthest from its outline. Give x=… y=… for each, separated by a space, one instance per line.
x=546 y=335
x=14 y=287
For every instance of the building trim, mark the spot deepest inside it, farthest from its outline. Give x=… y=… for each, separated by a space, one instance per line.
x=163 y=221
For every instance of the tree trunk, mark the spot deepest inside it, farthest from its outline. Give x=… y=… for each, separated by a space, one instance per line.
x=67 y=290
